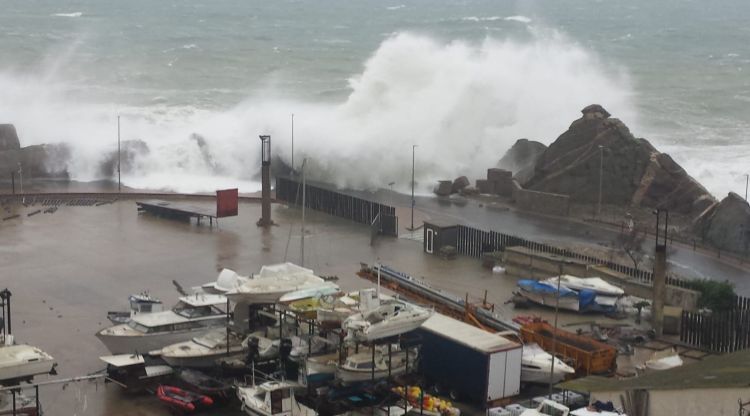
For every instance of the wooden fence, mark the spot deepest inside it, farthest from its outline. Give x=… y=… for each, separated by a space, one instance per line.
x=718 y=332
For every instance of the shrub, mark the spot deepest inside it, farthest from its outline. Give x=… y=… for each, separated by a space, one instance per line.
x=715 y=295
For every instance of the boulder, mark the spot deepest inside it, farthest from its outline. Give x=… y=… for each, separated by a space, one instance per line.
x=726 y=225
x=460 y=183
x=485 y=187
x=46 y=161
x=521 y=158
x=632 y=171
x=9 y=138
x=443 y=188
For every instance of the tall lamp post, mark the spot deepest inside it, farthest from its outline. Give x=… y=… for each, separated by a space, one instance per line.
x=119 y=183
x=292 y=143
x=601 y=173
x=413 y=202
x=747 y=179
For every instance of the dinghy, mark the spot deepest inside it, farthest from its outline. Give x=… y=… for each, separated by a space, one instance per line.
x=182 y=399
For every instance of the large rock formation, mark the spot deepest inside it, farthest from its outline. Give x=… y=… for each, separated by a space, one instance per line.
x=9 y=138
x=37 y=161
x=632 y=171
x=521 y=159
x=726 y=225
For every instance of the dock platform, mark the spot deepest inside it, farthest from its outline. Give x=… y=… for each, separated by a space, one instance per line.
x=176 y=210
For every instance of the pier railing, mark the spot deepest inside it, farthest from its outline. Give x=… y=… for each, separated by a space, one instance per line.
x=474 y=242
x=339 y=204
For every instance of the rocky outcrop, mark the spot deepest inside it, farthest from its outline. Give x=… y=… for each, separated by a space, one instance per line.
x=521 y=159
x=726 y=225
x=460 y=183
x=632 y=171
x=9 y=138
x=37 y=161
x=130 y=152
x=443 y=188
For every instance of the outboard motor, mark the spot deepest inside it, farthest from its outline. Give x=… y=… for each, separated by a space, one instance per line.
x=285 y=348
x=253 y=350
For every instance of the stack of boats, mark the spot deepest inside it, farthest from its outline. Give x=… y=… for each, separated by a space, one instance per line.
x=589 y=294
x=199 y=332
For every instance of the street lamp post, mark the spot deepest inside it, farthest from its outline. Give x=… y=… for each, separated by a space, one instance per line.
x=119 y=183
x=747 y=179
x=292 y=143
x=413 y=202
x=601 y=173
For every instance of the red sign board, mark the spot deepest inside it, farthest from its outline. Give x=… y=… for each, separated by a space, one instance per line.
x=227 y=202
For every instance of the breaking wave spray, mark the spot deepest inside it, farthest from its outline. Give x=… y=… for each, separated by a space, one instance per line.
x=463 y=103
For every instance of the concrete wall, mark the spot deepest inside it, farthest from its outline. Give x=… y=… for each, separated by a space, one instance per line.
x=530 y=264
x=542 y=202
x=675 y=296
x=525 y=263
x=693 y=402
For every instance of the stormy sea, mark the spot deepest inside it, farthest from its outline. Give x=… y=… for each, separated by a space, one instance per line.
x=195 y=82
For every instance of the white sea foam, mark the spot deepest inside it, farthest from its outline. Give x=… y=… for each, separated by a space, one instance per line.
x=400 y=6
x=74 y=14
x=481 y=19
x=462 y=103
x=520 y=19
x=189 y=46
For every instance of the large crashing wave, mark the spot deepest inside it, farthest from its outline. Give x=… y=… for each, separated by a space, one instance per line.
x=462 y=103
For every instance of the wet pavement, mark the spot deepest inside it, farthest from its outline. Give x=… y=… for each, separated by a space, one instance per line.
x=67 y=269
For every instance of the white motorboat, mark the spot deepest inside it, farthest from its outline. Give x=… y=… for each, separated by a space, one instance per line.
x=273 y=282
x=272 y=398
x=193 y=316
x=361 y=367
x=22 y=362
x=205 y=350
x=389 y=319
x=536 y=366
x=227 y=280
x=596 y=284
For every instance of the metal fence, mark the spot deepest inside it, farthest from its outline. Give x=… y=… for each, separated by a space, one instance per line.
x=474 y=242
x=338 y=204
x=718 y=332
